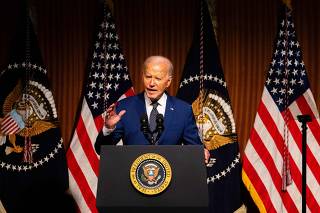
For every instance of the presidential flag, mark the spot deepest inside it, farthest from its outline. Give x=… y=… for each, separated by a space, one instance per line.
x=203 y=85
x=108 y=81
x=33 y=168
x=272 y=159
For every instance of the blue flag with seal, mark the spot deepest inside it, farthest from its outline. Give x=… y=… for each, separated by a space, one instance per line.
x=203 y=85
x=33 y=169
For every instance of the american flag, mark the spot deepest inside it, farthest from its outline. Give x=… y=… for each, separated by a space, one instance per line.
x=108 y=81
x=203 y=85
x=272 y=162
x=12 y=123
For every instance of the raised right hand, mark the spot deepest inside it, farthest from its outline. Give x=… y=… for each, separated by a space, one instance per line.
x=112 y=118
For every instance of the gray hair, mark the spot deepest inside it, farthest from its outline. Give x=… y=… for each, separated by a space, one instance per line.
x=159 y=59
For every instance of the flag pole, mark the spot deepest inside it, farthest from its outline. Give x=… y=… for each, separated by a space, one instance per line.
x=303 y=119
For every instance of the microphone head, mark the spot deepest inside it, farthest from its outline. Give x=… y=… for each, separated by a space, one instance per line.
x=159 y=119
x=144 y=124
x=144 y=119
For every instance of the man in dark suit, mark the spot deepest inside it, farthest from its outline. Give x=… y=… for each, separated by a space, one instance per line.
x=151 y=117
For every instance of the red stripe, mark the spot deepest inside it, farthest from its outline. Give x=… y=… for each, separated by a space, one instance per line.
x=311 y=162
x=10 y=129
x=295 y=132
x=8 y=122
x=296 y=174
x=257 y=184
x=130 y=92
x=81 y=181
x=315 y=129
x=6 y=118
x=265 y=156
x=87 y=146
x=305 y=109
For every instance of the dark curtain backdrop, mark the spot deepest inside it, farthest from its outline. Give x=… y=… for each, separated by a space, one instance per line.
x=246 y=30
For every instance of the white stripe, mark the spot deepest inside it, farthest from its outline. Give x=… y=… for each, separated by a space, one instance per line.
x=276 y=157
x=264 y=175
x=311 y=140
x=310 y=100
x=89 y=124
x=76 y=193
x=312 y=182
x=294 y=150
x=84 y=164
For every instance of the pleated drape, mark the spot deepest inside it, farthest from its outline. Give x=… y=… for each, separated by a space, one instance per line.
x=246 y=31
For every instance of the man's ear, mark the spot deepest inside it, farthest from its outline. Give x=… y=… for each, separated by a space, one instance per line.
x=169 y=81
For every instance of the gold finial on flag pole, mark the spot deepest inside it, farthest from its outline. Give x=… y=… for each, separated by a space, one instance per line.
x=110 y=4
x=288 y=3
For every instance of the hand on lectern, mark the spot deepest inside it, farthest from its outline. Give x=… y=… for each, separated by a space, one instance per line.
x=112 y=118
x=206 y=155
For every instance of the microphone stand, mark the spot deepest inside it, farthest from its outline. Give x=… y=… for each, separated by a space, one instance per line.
x=303 y=119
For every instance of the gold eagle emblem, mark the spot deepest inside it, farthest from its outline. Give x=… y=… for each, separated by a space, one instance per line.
x=214 y=120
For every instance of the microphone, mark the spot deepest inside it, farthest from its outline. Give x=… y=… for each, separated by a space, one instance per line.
x=159 y=121
x=160 y=126
x=144 y=124
x=144 y=127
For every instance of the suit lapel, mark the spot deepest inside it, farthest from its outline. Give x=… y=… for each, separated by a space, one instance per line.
x=140 y=105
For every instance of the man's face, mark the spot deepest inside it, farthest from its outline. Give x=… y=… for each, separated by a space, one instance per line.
x=156 y=80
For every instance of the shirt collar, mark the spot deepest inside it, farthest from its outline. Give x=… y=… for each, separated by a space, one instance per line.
x=161 y=101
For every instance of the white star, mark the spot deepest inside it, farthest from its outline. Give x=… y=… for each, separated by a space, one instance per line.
x=90 y=94
x=301 y=82
x=271 y=71
x=94 y=105
x=290 y=91
x=98 y=65
x=51 y=155
x=284 y=81
x=119 y=66
x=110 y=76
x=293 y=81
x=279 y=101
x=116 y=86
x=282 y=91
x=274 y=90
x=115 y=46
x=114 y=56
x=117 y=76
x=268 y=81
x=276 y=81
x=126 y=77
x=185 y=81
x=109 y=86
x=93 y=84
x=46 y=159
x=102 y=76
x=100 y=86
x=97 y=95
x=95 y=75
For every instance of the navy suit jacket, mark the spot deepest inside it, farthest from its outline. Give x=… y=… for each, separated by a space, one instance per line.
x=179 y=124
